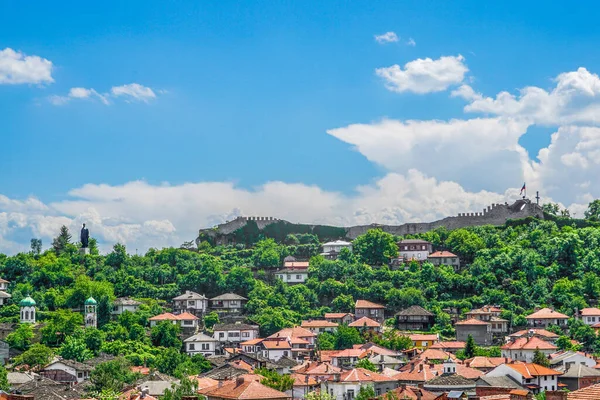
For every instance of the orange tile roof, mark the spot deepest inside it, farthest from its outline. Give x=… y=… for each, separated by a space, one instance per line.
x=276 y=345
x=411 y=393
x=486 y=362
x=588 y=393
x=526 y=343
x=546 y=313
x=204 y=383
x=172 y=317
x=296 y=264
x=244 y=389
x=318 y=324
x=420 y=371
x=367 y=304
x=536 y=331
x=421 y=337
x=435 y=354
x=317 y=368
x=363 y=375
x=297 y=340
x=325 y=355
x=134 y=394
x=348 y=353
x=336 y=315
x=440 y=254
x=241 y=364
x=448 y=345
x=304 y=380
x=590 y=311
x=297 y=331
x=529 y=370
x=471 y=321
x=140 y=370
x=252 y=342
x=364 y=321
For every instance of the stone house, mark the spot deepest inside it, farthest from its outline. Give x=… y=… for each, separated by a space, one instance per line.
x=67 y=371
x=364 y=308
x=415 y=318
x=480 y=330
x=339 y=318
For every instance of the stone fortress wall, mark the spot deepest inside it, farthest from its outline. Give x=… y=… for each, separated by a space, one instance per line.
x=495 y=214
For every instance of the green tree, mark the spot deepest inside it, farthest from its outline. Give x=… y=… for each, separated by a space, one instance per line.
x=375 y=247
x=274 y=380
x=211 y=319
x=564 y=343
x=63 y=323
x=326 y=341
x=273 y=319
x=60 y=243
x=551 y=208
x=112 y=375
x=267 y=253
x=166 y=334
x=540 y=358
x=36 y=246
x=346 y=337
x=186 y=389
x=593 y=211
x=93 y=339
x=366 y=364
x=465 y=244
x=318 y=396
x=36 y=357
x=365 y=392
x=4 y=385
x=20 y=338
x=75 y=349
x=470 y=347
x=343 y=303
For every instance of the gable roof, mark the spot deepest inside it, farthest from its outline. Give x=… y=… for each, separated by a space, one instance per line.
x=189 y=295
x=535 y=331
x=471 y=322
x=363 y=375
x=588 y=393
x=200 y=337
x=442 y=254
x=435 y=354
x=590 y=311
x=527 y=343
x=419 y=337
x=337 y=315
x=248 y=389
x=580 y=371
x=547 y=313
x=529 y=370
x=234 y=327
x=296 y=331
x=505 y=381
x=126 y=301
x=229 y=296
x=415 y=310
x=412 y=393
x=276 y=344
x=318 y=324
x=413 y=241
x=186 y=316
x=486 y=362
x=454 y=345
x=364 y=321
x=367 y=304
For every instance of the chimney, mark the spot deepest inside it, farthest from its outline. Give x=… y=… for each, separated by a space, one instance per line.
x=420 y=367
x=418 y=394
x=220 y=384
x=403 y=386
x=239 y=381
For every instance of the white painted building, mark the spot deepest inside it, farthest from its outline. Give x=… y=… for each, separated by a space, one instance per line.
x=76 y=369
x=565 y=359
x=292 y=276
x=124 y=304
x=4 y=284
x=191 y=302
x=414 y=249
x=590 y=316
x=274 y=350
x=331 y=250
x=349 y=383
x=200 y=344
x=523 y=349
x=27 y=310
x=533 y=376
x=235 y=333
x=319 y=326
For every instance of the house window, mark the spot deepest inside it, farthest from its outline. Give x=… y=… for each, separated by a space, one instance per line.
x=221 y=334
x=350 y=394
x=285 y=353
x=546 y=377
x=80 y=375
x=423 y=247
x=188 y=322
x=233 y=303
x=205 y=346
x=245 y=334
x=298 y=277
x=192 y=346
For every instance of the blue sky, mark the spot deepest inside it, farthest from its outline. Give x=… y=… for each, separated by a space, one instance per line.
x=248 y=93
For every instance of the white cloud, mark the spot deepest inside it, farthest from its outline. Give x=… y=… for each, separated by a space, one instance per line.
x=135 y=91
x=466 y=92
x=18 y=68
x=424 y=75
x=573 y=100
x=411 y=42
x=388 y=37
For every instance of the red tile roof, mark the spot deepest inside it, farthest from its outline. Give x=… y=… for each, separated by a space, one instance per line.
x=410 y=393
x=337 y=315
x=204 y=383
x=276 y=345
x=529 y=370
x=536 y=331
x=526 y=343
x=440 y=254
x=471 y=321
x=421 y=337
x=252 y=342
x=172 y=317
x=318 y=324
x=449 y=345
x=546 y=313
x=486 y=362
x=244 y=390
x=363 y=375
x=304 y=380
x=588 y=393
x=590 y=312
x=317 y=368
x=297 y=331
x=434 y=354
x=364 y=321
x=367 y=304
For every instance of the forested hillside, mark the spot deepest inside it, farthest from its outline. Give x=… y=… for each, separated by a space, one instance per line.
x=518 y=267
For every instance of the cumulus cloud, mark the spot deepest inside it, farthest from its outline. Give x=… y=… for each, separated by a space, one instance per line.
x=18 y=68
x=424 y=75
x=388 y=37
x=134 y=91
x=573 y=100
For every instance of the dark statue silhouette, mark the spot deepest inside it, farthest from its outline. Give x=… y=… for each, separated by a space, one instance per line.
x=85 y=237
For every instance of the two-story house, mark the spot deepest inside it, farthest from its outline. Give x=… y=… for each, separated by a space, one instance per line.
x=319 y=326
x=228 y=303
x=524 y=348
x=186 y=321
x=200 y=344
x=531 y=376
x=331 y=250
x=415 y=318
x=546 y=317
x=191 y=302
x=292 y=275
x=590 y=316
x=414 y=249
x=235 y=333
x=67 y=371
x=123 y=304
x=444 y=258
x=4 y=295
x=490 y=314
x=364 y=308
x=481 y=331
x=339 y=318
x=348 y=384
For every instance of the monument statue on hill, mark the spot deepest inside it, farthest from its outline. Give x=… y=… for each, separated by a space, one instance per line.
x=85 y=237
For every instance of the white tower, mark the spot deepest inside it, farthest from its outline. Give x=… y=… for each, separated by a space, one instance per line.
x=27 y=310
x=449 y=366
x=91 y=318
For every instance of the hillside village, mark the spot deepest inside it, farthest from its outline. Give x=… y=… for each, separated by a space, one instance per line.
x=239 y=347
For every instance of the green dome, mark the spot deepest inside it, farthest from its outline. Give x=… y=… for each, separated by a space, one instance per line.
x=27 y=302
x=91 y=302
